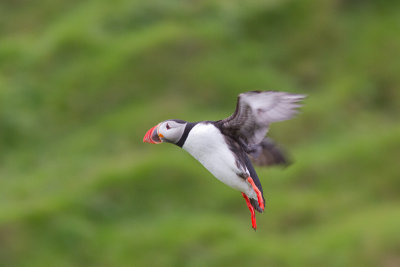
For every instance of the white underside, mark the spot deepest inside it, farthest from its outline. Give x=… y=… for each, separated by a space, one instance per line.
x=206 y=144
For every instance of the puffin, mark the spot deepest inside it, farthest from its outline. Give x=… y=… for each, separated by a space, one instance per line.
x=227 y=148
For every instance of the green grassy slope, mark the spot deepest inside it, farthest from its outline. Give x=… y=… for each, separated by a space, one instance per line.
x=82 y=81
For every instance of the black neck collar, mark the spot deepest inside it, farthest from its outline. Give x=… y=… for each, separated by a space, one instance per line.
x=185 y=134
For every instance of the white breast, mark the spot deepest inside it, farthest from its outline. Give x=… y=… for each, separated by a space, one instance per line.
x=206 y=144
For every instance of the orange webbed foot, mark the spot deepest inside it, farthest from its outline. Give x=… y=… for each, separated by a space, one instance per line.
x=253 y=214
x=259 y=195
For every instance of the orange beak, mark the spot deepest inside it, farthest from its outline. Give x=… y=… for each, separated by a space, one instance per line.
x=152 y=136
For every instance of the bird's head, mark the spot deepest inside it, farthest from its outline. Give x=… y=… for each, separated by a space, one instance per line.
x=169 y=131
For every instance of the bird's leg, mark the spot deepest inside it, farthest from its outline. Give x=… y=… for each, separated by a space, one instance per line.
x=259 y=195
x=253 y=214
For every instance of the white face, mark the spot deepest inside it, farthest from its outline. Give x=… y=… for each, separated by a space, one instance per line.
x=171 y=131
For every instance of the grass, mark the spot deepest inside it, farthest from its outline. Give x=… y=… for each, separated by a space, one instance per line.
x=81 y=82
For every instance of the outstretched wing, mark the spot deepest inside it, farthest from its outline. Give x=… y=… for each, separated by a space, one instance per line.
x=255 y=111
x=267 y=153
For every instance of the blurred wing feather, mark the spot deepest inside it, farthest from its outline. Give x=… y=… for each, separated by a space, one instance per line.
x=267 y=153
x=254 y=112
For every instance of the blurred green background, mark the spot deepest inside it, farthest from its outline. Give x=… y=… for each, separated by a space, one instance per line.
x=82 y=81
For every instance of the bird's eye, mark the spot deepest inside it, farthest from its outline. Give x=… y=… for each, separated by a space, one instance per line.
x=168 y=126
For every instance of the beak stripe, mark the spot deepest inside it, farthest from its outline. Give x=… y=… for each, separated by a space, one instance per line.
x=148 y=136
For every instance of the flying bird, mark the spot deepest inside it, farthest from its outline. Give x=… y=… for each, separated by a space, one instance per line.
x=227 y=147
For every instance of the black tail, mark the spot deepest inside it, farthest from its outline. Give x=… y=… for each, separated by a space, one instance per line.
x=255 y=205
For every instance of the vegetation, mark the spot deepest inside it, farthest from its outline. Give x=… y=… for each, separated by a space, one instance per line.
x=82 y=81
